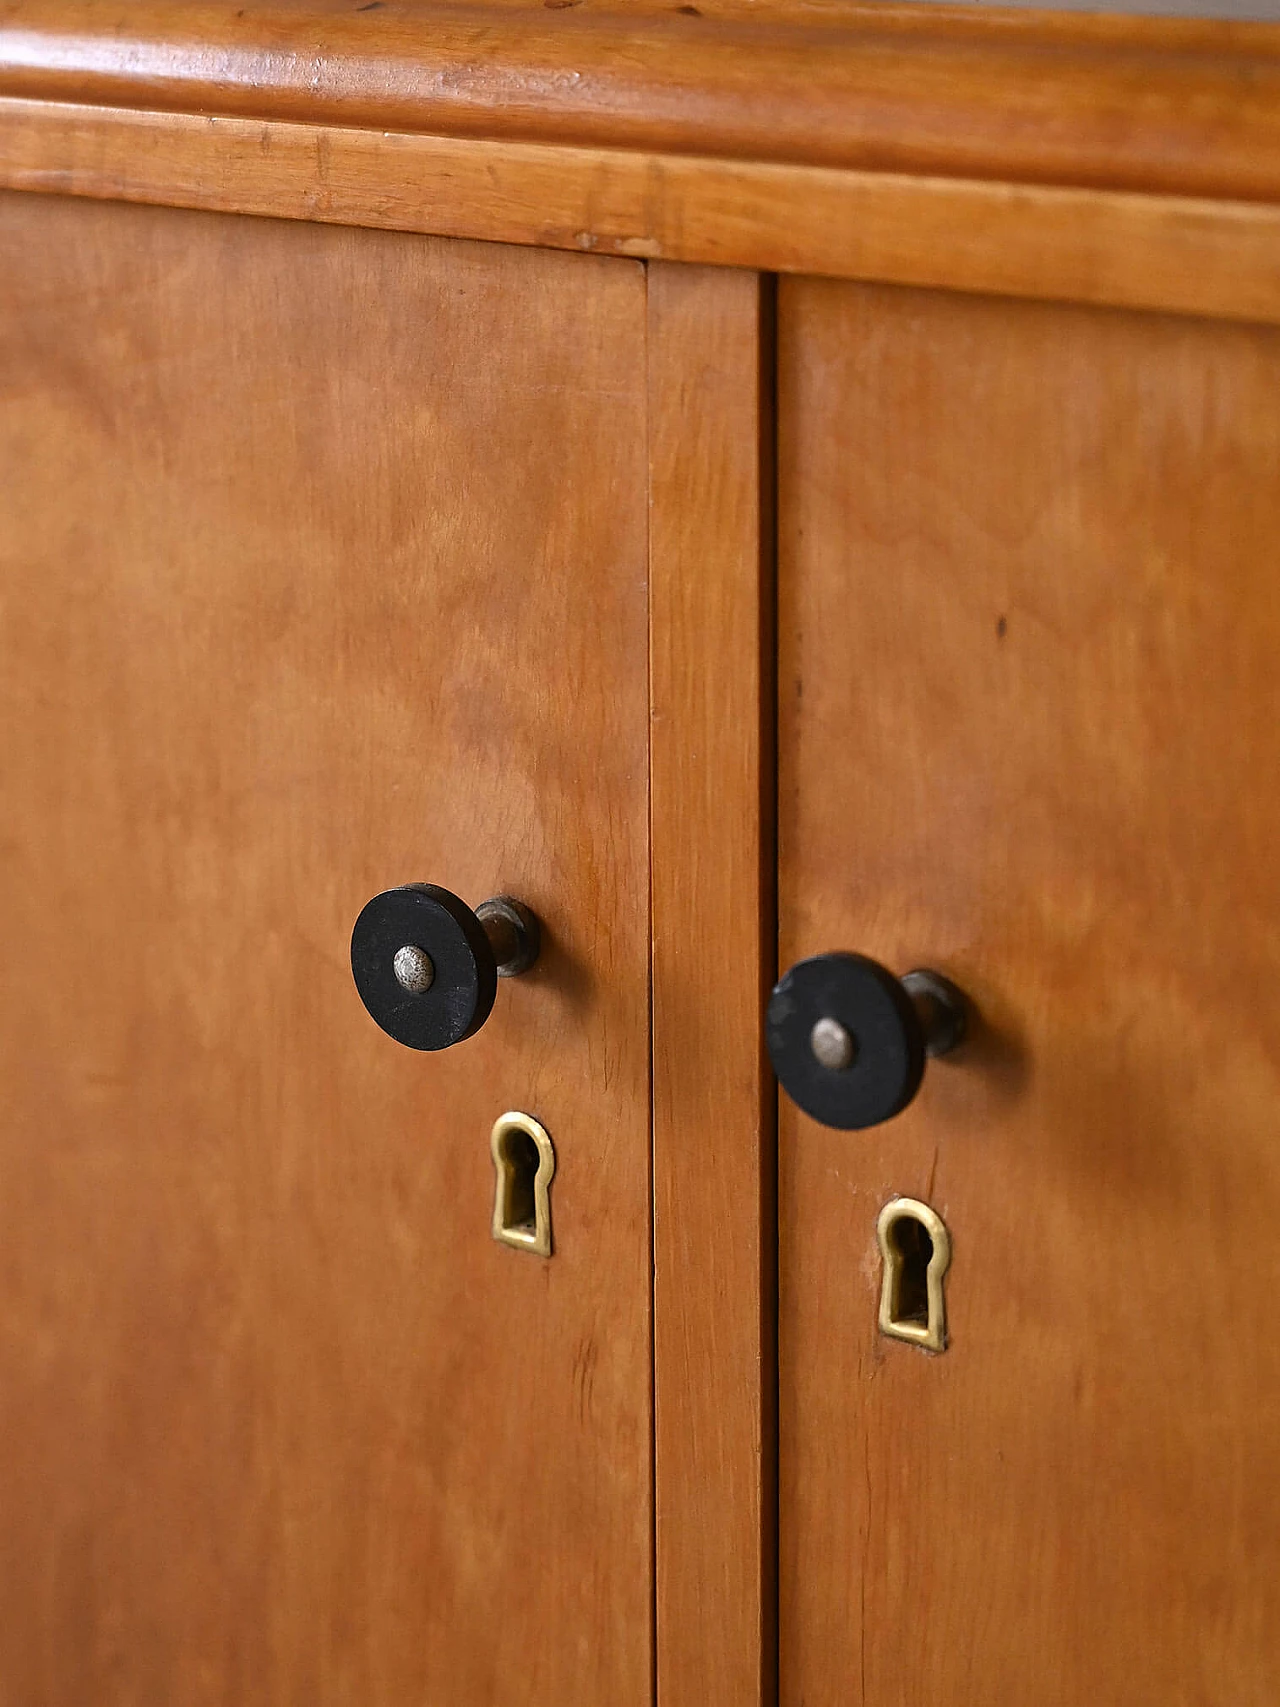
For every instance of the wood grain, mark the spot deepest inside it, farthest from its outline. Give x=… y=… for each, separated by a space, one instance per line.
x=1196 y=257
x=324 y=569
x=1030 y=725
x=713 y=957
x=1144 y=104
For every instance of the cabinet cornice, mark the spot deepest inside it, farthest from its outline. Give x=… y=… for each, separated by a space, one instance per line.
x=1189 y=108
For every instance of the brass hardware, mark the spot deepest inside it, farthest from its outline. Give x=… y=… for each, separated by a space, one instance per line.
x=915 y=1248
x=525 y=1164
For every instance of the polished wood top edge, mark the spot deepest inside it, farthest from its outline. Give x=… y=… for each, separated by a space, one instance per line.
x=1167 y=106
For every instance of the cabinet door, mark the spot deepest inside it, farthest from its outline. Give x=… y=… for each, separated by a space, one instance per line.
x=323 y=570
x=1030 y=737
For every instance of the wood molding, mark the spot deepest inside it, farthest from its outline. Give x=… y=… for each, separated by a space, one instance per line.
x=1204 y=257
x=1140 y=104
x=714 y=958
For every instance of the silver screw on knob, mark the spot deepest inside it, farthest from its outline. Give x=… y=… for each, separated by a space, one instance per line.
x=832 y=1045
x=413 y=969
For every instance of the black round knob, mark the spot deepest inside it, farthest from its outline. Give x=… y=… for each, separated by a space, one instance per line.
x=849 y=1041
x=427 y=967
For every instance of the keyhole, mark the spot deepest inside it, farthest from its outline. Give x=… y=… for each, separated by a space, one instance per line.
x=916 y=1251
x=520 y=1168
x=524 y=1162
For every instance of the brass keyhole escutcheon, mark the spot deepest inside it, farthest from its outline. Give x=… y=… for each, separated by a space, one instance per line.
x=915 y=1249
x=524 y=1162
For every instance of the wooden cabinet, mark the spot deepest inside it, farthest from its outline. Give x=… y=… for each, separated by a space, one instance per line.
x=750 y=483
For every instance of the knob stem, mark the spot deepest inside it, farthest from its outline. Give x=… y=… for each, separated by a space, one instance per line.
x=939 y=1007
x=512 y=930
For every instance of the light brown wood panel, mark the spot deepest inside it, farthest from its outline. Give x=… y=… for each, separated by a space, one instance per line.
x=711 y=597
x=1194 y=255
x=1030 y=729
x=324 y=569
